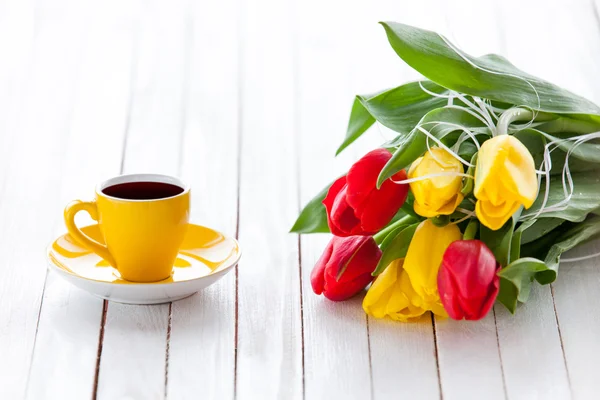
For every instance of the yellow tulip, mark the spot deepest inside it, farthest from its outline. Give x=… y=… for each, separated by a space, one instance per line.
x=391 y=295
x=423 y=260
x=439 y=195
x=408 y=288
x=505 y=180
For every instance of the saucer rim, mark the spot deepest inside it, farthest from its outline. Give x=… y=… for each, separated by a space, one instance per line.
x=132 y=284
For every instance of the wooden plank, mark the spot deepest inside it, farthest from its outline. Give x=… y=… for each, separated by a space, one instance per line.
x=532 y=359
x=469 y=359
x=468 y=354
x=404 y=359
x=576 y=294
x=202 y=341
x=336 y=352
x=577 y=36
x=402 y=356
x=37 y=99
x=64 y=362
x=269 y=336
x=575 y=291
x=135 y=337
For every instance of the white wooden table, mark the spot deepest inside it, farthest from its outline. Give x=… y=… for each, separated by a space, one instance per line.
x=247 y=100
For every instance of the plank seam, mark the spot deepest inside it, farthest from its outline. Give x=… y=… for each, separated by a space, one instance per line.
x=168 y=347
x=562 y=346
x=301 y=312
x=437 y=355
x=123 y=154
x=100 y=345
x=297 y=114
x=500 y=355
x=183 y=117
x=370 y=358
x=37 y=328
x=596 y=12
x=240 y=117
x=37 y=324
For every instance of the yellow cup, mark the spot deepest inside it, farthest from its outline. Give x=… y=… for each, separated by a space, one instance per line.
x=142 y=236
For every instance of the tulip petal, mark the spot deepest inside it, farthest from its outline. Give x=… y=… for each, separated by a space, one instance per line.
x=337 y=207
x=519 y=166
x=467 y=281
x=392 y=296
x=450 y=207
x=505 y=179
x=452 y=300
x=424 y=257
x=344 y=220
x=489 y=300
x=345 y=267
x=362 y=176
x=354 y=257
x=388 y=199
x=490 y=159
x=354 y=204
x=438 y=194
x=489 y=216
x=317 y=276
x=375 y=208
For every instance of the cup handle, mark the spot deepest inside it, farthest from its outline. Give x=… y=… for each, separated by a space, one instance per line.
x=91 y=208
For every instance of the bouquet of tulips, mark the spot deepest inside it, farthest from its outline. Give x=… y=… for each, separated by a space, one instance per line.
x=493 y=175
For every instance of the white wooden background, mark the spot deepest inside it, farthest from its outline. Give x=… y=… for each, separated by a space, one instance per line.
x=247 y=100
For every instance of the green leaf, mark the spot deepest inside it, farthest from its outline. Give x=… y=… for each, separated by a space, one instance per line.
x=499 y=241
x=586 y=151
x=399 y=109
x=539 y=248
x=575 y=164
x=566 y=124
x=313 y=218
x=577 y=234
x=490 y=76
x=515 y=243
x=411 y=146
x=516 y=279
x=391 y=236
x=585 y=198
x=360 y=121
x=552 y=245
x=396 y=248
x=507 y=295
x=539 y=228
x=469 y=183
x=467 y=150
x=408 y=208
x=584 y=158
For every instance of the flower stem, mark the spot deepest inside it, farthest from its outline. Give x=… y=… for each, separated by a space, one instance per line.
x=380 y=236
x=471 y=230
x=512 y=115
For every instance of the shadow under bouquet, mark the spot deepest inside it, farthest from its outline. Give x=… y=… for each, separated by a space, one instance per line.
x=493 y=174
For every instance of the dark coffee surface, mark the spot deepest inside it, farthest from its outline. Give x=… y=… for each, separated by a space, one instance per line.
x=142 y=190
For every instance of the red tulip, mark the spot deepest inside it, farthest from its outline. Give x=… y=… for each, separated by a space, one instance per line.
x=354 y=204
x=467 y=280
x=345 y=267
